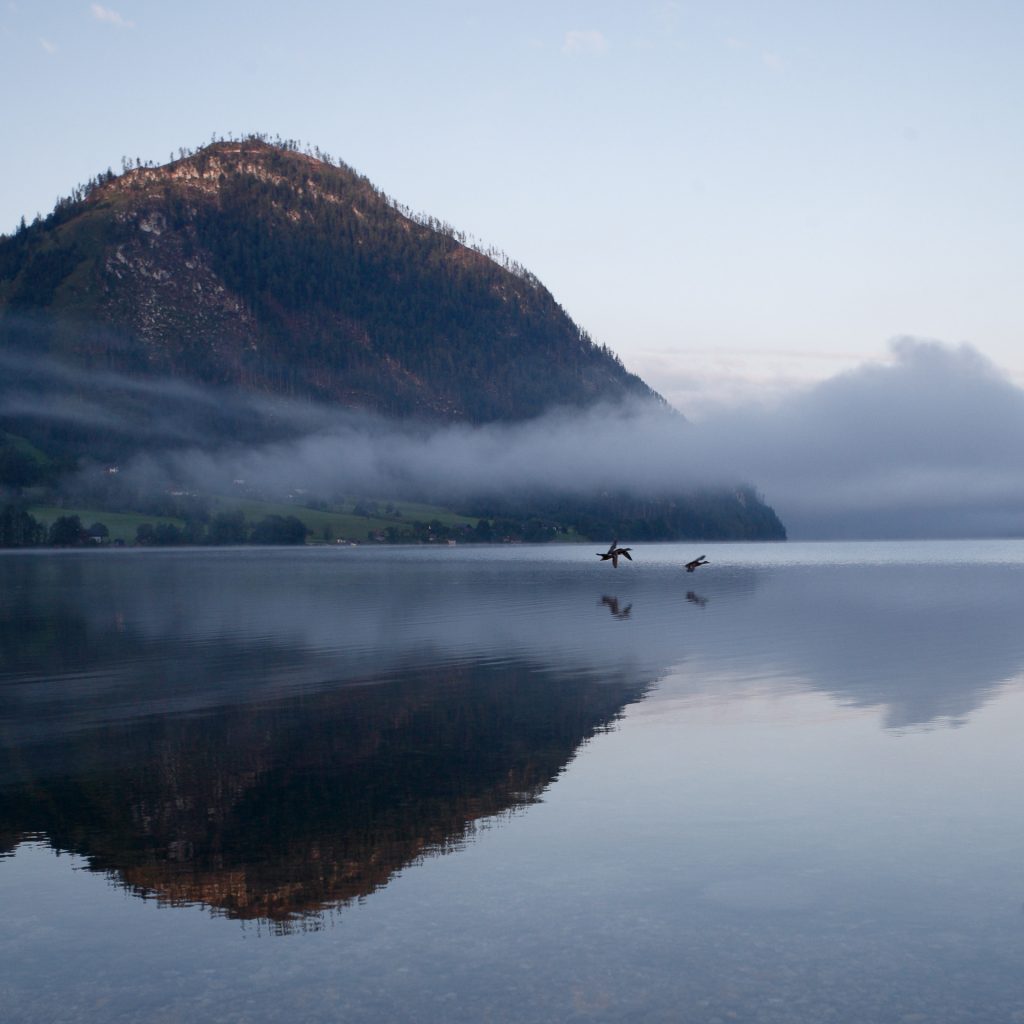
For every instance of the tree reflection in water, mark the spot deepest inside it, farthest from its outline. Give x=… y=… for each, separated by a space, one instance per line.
x=277 y=811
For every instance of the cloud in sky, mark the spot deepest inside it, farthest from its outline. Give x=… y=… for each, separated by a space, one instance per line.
x=931 y=444
x=50 y=48
x=110 y=17
x=580 y=42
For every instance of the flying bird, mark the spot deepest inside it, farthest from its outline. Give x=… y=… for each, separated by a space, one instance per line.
x=613 y=553
x=695 y=564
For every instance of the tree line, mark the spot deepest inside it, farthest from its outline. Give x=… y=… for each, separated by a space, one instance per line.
x=20 y=529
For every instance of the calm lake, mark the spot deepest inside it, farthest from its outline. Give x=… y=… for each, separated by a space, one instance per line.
x=513 y=784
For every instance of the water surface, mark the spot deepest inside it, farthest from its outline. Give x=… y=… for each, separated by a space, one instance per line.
x=513 y=784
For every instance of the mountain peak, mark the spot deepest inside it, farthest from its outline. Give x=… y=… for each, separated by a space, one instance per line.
x=211 y=168
x=261 y=266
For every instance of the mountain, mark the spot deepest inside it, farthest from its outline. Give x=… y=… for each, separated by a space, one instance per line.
x=263 y=268
x=251 y=294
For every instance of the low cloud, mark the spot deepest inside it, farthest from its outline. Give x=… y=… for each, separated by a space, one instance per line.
x=929 y=444
x=574 y=452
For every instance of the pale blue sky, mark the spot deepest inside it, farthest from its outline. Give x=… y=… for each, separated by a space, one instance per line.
x=735 y=196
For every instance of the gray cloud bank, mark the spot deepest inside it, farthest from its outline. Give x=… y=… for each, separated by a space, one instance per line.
x=929 y=445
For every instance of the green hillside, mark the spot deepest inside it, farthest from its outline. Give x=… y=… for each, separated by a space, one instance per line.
x=411 y=522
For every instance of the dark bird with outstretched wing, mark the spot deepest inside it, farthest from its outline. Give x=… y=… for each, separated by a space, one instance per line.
x=613 y=553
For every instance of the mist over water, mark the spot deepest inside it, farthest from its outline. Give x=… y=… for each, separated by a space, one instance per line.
x=930 y=445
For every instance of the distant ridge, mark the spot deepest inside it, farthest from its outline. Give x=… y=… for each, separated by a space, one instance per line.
x=261 y=267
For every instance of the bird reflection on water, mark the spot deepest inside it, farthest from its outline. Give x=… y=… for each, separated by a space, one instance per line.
x=612 y=604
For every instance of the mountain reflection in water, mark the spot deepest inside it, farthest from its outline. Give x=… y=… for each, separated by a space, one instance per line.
x=274 y=734
x=278 y=809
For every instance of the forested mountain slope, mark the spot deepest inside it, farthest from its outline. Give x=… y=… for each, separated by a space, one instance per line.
x=261 y=267
x=252 y=295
